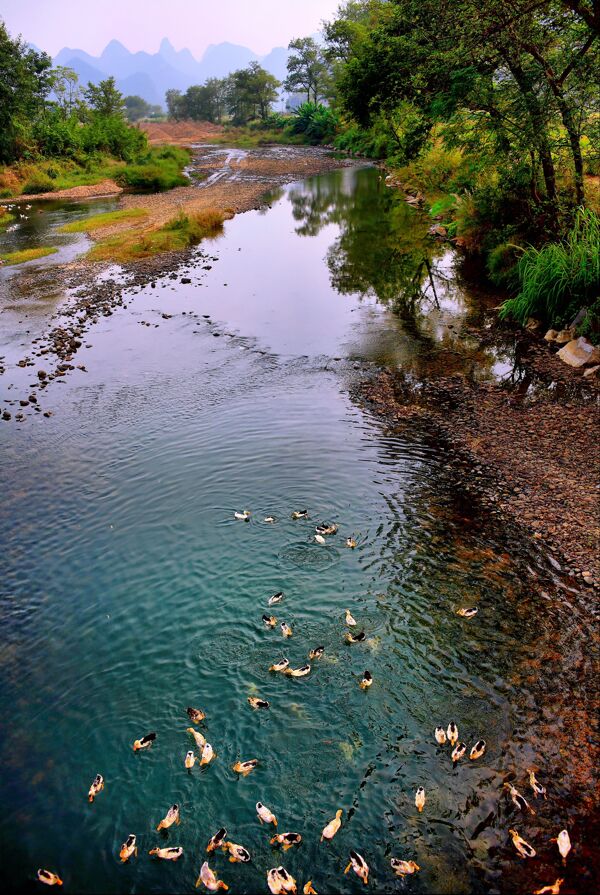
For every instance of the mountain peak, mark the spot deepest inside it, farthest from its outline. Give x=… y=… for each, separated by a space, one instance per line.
x=166 y=46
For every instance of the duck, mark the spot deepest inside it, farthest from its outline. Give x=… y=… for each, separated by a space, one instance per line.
x=367 y=680
x=217 y=840
x=279 y=666
x=190 y=760
x=536 y=786
x=198 y=737
x=333 y=826
x=269 y=520
x=524 y=848
x=171 y=817
x=359 y=865
x=351 y=543
x=403 y=868
x=350 y=620
x=563 y=840
x=209 y=878
x=518 y=800
x=276 y=598
x=298 y=672
x=420 y=798
x=554 y=889
x=458 y=752
x=237 y=853
x=49 y=878
x=245 y=767
x=167 y=854
x=452 y=733
x=257 y=703
x=96 y=787
x=466 y=612
x=265 y=815
x=440 y=736
x=195 y=715
x=128 y=848
x=355 y=638
x=287 y=840
x=316 y=653
x=244 y=516
x=208 y=753
x=326 y=528
x=280 y=881
x=320 y=539
x=286 y=630
x=477 y=750
x=300 y=514
x=269 y=620
x=144 y=743
x=309 y=888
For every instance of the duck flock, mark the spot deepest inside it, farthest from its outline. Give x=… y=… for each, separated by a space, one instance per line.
x=279 y=880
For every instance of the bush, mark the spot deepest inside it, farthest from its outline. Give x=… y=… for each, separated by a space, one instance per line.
x=559 y=279
x=316 y=121
x=38 y=183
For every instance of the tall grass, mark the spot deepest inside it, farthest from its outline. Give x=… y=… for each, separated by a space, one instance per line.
x=561 y=277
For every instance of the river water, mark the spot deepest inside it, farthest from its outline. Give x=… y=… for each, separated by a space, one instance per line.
x=129 y=590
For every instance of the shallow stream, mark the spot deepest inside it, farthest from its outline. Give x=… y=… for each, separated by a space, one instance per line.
x=129 y=591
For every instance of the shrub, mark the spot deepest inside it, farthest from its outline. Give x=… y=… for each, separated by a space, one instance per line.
x=561 y=277
x=316 y=121
x=39 y=183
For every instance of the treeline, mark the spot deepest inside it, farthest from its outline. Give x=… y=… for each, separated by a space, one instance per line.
x=245 y=95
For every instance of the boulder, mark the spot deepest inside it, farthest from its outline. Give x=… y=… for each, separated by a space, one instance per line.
x=579 y=352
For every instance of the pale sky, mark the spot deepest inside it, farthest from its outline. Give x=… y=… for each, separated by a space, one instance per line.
x=141 y=24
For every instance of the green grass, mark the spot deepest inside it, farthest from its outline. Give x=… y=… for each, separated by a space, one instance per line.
x=561 y=277
x=177 y=234
x=157 y=168
x=5 y=218
x=88 y=225
x=27 y=255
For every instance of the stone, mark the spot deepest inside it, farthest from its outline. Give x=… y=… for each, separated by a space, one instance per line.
x=578 y=352
x=185 y=280
x=591 y=371
x=551 y=335
x=532 y=324
x=565 y=335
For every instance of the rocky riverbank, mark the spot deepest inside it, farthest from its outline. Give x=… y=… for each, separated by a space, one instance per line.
x=529 y=447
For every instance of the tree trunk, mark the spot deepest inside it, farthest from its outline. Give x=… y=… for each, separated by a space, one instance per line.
x=538 y=124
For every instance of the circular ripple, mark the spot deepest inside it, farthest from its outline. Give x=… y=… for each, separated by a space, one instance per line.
x=309 y=556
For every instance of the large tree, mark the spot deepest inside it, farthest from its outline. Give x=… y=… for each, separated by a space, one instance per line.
x=105 y=99
x=24 y=85
x=307 y=70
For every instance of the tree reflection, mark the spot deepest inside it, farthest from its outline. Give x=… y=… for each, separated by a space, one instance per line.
x=382 y=248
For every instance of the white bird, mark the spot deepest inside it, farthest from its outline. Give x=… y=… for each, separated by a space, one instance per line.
x=350 y=620
x=244 y=515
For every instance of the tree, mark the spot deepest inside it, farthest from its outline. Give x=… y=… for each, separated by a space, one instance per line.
x=307 y=70
x=136 y=107
x=66 y=89
x=250 y=93
x=104 y=99
x=175 y=105
x=24 y=85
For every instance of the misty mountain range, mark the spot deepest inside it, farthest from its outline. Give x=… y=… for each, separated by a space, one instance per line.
x=150 y=75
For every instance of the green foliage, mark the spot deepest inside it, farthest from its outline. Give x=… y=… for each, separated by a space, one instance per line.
x=136 y=107
x=38 y=183
x=501 y=265
x=308 y=70
x=319 y=123
x=157 y=170
x=561 y=277
x=24 y=86
x=104 y=99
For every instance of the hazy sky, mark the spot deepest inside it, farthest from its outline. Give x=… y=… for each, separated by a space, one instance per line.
x=140 y=24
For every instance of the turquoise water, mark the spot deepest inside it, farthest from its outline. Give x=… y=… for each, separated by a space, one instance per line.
x=129 y=591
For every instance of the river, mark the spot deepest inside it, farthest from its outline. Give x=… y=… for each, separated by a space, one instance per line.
x=129 y=590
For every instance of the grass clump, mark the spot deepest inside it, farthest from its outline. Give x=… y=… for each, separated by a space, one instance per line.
x=95 y=222
x=561 y=277
x=24 y=255
x=179 y=233
x=5 y=217
x=160 y=169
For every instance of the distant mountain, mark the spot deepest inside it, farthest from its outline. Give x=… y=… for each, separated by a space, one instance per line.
x=150 y=75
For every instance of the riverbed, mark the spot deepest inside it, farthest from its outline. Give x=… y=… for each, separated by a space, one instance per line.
x=130 y=591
